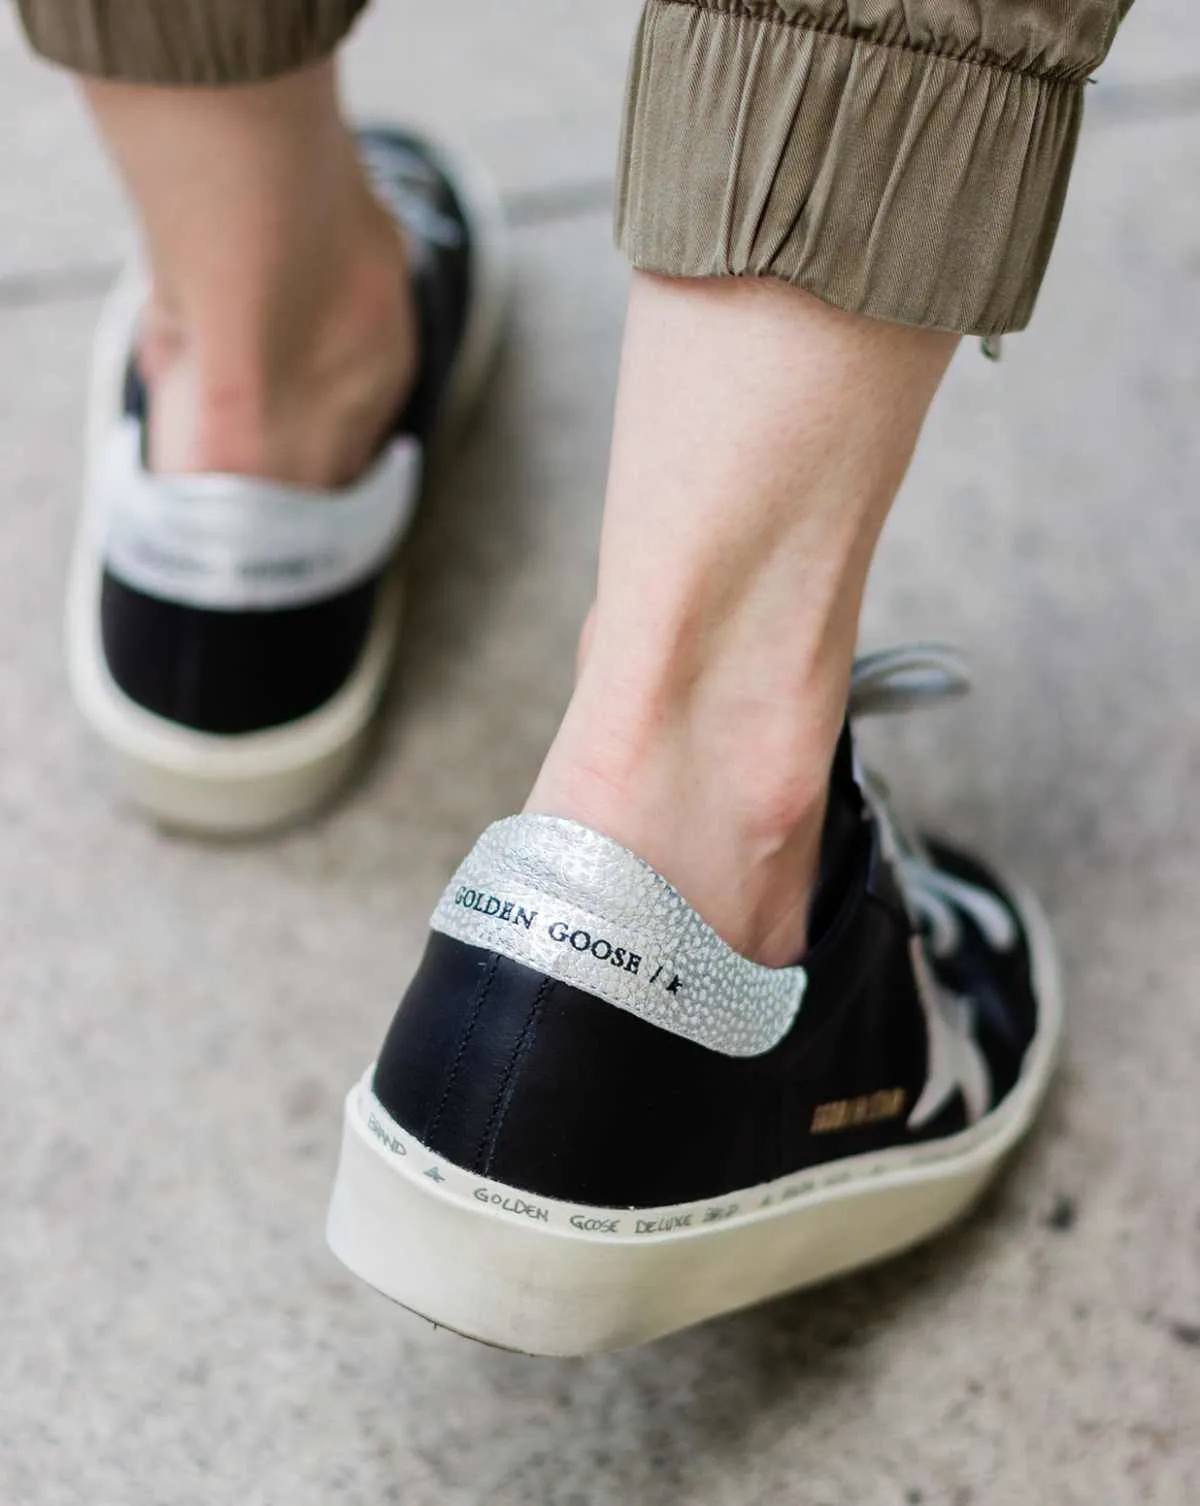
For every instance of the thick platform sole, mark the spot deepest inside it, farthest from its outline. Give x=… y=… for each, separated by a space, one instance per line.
x=533 y=1274
x=256 y=782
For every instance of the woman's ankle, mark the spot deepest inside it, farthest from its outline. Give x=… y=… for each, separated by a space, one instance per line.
x=282 y=336
x=268 y=382
x=726 y=800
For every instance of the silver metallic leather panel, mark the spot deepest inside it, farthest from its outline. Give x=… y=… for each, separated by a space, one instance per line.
x=225 y=542
x=573 y=904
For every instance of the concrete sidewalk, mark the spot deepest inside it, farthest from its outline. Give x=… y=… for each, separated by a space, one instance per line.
x=179 y=1022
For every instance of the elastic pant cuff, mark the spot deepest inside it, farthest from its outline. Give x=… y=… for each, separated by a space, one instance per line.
x=181 y=42
x=900 y=184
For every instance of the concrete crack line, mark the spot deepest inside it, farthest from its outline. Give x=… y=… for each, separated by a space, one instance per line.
x=82 y=280
x=1121 y=104
x=525 y=208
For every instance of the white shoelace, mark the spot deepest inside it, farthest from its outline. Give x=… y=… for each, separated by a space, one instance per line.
x=407 y=192
x=897 y=680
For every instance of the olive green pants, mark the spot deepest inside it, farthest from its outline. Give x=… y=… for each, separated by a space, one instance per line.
x=906 y=159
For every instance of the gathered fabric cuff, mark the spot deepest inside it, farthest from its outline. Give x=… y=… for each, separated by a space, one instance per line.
x=179 y=42
x=905 y=185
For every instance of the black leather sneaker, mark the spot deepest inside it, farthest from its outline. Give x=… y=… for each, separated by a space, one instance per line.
x=229 y=639
x=592 y=1123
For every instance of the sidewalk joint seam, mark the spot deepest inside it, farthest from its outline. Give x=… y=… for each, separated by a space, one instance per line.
x=525 y=209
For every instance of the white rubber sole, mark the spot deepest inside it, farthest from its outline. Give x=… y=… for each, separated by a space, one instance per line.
x=255 y=782
x=544 y=1277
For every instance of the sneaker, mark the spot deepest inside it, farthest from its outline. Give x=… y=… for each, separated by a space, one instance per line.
x=228 y=638
x=593 y=1123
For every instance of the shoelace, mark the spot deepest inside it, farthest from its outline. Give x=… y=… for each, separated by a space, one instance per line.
x=895 y=680
x=402 y=180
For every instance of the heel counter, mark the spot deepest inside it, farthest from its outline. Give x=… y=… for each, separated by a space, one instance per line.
x=576 y=1029
x=517 y=1077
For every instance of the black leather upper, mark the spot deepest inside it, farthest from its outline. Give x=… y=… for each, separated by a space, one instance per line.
x=998 y=986
x=231 y=672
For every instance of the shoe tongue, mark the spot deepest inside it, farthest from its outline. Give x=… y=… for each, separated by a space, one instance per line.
x=841 y=868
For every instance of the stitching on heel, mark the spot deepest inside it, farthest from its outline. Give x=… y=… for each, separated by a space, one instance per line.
x=485 y=986
x=485 y=1154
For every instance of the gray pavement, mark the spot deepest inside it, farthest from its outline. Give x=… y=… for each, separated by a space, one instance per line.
x=179 y=1021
